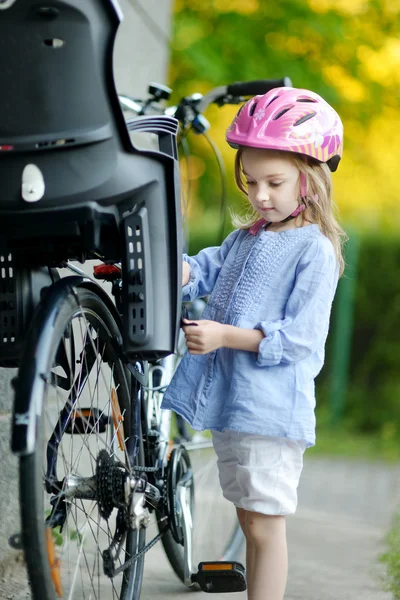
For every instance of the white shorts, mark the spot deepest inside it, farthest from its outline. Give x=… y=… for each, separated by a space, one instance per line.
x=259 y=473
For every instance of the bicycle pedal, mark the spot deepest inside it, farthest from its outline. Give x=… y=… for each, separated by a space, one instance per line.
x=220 y=576
x=86 y=421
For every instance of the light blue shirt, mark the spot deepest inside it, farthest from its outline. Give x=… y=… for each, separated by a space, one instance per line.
x=282 y=283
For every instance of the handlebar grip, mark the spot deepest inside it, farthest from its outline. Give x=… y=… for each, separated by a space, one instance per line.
x=261 y=86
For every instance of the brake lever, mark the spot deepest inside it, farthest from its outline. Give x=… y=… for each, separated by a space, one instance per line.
x=188 y=324
x=185 y=315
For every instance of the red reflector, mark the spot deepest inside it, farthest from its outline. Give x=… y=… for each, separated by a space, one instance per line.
x=106 y=272
x=6 y=147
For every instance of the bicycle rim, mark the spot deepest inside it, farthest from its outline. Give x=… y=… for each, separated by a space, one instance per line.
x=86 y=379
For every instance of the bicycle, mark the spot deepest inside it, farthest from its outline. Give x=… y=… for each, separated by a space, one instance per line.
x=96 y=464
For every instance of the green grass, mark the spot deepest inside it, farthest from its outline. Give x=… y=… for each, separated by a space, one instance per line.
x=391 y=558
x=344 y=443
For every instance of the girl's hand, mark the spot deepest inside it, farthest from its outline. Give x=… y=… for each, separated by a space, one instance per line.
x=203 y=336
x=185 y=273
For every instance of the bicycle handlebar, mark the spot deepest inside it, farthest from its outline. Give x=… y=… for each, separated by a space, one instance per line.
x=234 y=92
x=194 y=105
x=261 y=86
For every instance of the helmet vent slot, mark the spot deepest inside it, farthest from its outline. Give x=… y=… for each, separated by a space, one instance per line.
x=282 y=112
x=252 y=109
x=271 y=101
x=305 y=100
x=304 y=119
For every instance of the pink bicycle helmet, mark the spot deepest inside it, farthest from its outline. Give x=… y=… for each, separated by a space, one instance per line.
x=292 y=120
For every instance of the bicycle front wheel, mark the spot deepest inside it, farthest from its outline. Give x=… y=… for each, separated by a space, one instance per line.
x=216 y=532
x=73 y=496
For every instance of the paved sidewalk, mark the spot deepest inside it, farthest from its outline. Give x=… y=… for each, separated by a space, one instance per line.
x=345 y=509
x=335 y=539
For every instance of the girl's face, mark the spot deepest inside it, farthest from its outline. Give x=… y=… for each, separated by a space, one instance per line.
x=272 y=183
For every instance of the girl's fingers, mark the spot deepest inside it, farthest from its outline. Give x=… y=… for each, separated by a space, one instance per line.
x=195 y=349
x=192 y=345
x=190 y=332
x=188 y=323
x=192 y=340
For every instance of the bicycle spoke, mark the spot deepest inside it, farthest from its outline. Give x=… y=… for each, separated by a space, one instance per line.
x=81 y=418
x=81 y=553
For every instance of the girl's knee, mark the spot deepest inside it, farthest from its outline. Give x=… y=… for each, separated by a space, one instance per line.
x=264 y=529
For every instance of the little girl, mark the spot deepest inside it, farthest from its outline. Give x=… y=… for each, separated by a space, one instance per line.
x=249 y=372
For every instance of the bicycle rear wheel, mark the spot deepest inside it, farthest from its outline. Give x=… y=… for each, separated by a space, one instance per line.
x=84 y=432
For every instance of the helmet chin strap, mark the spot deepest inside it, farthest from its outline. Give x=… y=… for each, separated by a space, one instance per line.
x=303 y=195
x=298 y=210
x=264 y=223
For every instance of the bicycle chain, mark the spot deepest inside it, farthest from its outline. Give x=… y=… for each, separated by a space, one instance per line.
x=135 y=558
x=146 y=469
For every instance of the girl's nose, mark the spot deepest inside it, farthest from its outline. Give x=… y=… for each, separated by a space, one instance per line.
x=262 y=194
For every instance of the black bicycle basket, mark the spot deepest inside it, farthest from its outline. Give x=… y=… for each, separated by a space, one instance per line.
x=72 y=184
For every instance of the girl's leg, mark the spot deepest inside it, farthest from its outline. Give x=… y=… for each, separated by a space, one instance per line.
x=268 y=560
x=241 y=513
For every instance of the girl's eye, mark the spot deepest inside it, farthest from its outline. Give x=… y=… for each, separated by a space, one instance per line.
x=275 y=184
x=250 y=182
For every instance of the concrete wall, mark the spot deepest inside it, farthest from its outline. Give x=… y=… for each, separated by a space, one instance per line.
x=141 y=51
x=141 y=56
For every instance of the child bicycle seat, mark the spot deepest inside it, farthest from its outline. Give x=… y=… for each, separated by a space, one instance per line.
x=72 y=184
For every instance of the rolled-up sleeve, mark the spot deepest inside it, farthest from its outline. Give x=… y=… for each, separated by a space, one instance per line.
x=205 y=268
x=304 y=328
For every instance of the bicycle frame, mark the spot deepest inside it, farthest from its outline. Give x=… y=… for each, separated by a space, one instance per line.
x=114 y=228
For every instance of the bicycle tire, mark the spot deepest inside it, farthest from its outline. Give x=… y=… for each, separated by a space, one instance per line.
x=81 y=311
x=217 y=535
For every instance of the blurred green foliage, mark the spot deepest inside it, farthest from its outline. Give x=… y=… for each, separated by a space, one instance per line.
x=372 y=402
x=311 y=41
x=349 y=52
x=346 y=50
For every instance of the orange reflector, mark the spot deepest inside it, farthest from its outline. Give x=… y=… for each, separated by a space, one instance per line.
x=117 y=419
x=54 y=562
x=217 y=567
x=78 y=414
x=170 y=448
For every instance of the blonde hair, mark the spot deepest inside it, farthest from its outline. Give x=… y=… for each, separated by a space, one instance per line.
x=320 y=208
